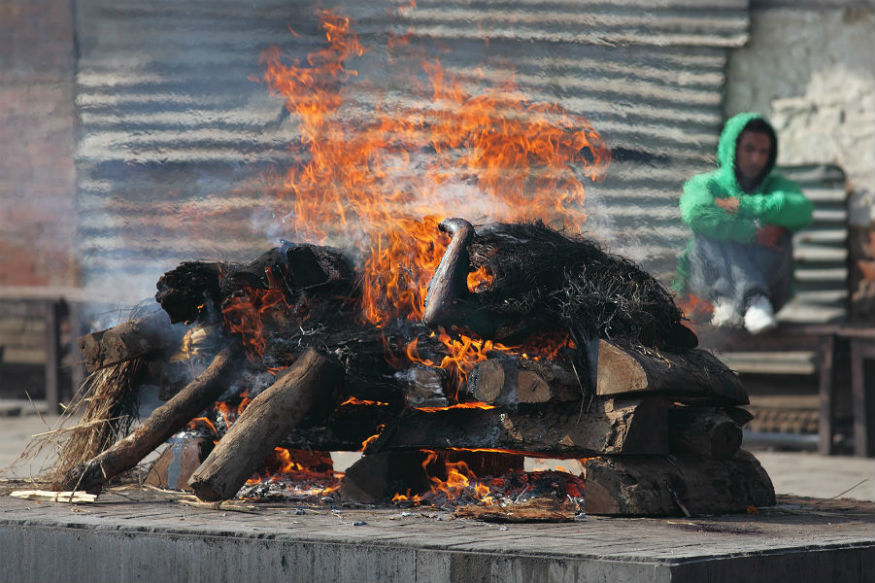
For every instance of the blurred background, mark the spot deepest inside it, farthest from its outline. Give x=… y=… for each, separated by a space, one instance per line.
x=134 y=136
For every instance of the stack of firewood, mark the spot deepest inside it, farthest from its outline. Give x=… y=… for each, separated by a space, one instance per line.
x=660 y=429
x=662 y=433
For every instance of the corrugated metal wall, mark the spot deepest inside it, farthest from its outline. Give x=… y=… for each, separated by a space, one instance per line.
x=176 y=139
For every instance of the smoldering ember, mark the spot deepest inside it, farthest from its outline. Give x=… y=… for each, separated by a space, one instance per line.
x=579 y=354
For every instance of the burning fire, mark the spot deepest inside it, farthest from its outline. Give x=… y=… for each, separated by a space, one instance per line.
x=462 y=486
x=695 y=309
x=383 y=179
x=363 y=402
x=244 y=315
x=463 y=354
x=460 y=482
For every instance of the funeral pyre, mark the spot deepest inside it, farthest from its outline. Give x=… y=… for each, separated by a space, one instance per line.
x=576 y=354
x=442 y=350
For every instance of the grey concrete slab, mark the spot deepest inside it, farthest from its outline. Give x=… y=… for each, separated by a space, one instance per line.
x=145 y=538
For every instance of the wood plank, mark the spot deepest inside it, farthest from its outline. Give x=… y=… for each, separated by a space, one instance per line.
x=694 y=375
x=680 y=485
x=789 y=362
x=628 y=426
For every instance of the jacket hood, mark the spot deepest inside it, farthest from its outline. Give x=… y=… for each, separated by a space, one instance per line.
x=726 y=148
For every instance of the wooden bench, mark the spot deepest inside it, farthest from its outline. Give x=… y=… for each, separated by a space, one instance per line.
x=54 y=306
x=813 y=327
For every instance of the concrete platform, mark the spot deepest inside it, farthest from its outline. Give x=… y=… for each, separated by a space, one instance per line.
x=143 y=536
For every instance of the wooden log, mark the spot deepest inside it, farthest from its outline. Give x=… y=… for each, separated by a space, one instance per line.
x=704 y=431
x=695 y=376
x=675 y=485
x=308 y=385
x=132 y=339
x=534 y=510
x=177 y=463
x=161 y=424
x=508 y=382
x=344 y=430
x=377 y=478
x=627 y=426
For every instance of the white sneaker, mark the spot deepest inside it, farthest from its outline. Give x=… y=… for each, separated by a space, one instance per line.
x=725 y=314
x=760 y=316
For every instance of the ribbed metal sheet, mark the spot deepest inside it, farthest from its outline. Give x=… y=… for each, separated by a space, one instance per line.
x=176 y=139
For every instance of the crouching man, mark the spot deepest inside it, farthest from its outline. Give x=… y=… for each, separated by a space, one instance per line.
x=742 y=215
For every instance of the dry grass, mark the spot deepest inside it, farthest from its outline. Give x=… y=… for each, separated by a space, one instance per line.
x=104 y=407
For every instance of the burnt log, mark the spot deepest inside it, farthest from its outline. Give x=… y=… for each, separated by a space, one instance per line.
x=675 y=485
x=132 y=339
x=344 y=430
x=183 y=290
x=376 y=478
x=695 y=376
x=299 y=271
x=305 y=388
x=508 y=382
x=158 y=428
x=614 y=426
x=708 y=432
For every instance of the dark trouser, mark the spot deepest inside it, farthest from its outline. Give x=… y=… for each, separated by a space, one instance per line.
x=739 y=272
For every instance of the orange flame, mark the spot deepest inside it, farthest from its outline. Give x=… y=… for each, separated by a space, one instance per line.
x=202 y=420
x=467 y=405
x=464 y=353
x=479 y=279
x=694 y=308
x=516 y=157
x=459 y=477
x=374 y=437
x=282 y=463
x=357 y=401
x=244 y=315
x=384 y=183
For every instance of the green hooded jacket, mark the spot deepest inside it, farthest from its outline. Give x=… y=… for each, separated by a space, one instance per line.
x=776 y=200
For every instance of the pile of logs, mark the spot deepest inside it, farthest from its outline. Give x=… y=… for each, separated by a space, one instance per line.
x=660 y=429
x=662 y=434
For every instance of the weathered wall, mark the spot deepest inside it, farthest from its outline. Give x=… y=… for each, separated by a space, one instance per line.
x=37 y=174
x=810 y=67
x=812 y=71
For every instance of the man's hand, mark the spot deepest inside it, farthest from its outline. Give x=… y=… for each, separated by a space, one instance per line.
x=769 y=236
x=730 y=205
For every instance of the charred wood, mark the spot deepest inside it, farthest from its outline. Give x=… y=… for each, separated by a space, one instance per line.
x=675 y=485
x=627 y=426
x=305 y=388
x=197 y=290
x=376 y=478
x=183 y=290
x=161 y=424
x=344 y=430
x=707 y=432
x=132 y=339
